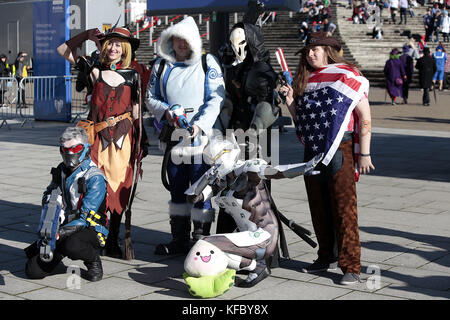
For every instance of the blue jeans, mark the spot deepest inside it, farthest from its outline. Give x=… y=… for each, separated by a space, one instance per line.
x=181 y=176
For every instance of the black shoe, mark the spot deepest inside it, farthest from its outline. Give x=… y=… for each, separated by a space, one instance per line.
x=95 y=269
x=173 y=247
x=112 y=249
x=318 y=266
x=260 y=273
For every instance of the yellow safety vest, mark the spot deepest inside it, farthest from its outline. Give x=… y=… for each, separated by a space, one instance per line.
x=24 y=71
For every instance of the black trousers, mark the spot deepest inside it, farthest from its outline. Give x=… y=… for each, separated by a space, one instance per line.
x=428 y=33
x=403 y=14
x=405 y=90
x=426 y=96
x=82 y=245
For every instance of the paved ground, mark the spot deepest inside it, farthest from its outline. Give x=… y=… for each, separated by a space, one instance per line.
x=404 y=219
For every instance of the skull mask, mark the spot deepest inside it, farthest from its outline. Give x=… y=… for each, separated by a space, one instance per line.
x=239 y=44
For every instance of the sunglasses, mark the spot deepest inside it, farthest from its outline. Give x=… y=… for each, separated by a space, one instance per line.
x=73 y=149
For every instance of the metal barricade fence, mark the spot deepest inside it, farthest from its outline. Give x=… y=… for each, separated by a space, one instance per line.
x=8 y=99
x=17 y=98
x=44 y=88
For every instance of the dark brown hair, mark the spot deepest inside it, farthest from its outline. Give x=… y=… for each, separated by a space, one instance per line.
x=304 y=69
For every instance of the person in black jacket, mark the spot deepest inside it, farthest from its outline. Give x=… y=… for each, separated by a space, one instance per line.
x=427 y=68
x=249 y=78
x=249 y=83
x=4 y=72
x=408 y=64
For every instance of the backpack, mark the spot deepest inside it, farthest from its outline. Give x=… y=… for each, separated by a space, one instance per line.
x=163 y=63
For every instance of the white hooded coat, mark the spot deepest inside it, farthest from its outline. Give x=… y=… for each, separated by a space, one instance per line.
x=185 y=83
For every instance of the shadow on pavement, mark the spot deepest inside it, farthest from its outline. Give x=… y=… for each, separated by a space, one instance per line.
x=440 y=242
x=168 y=286
x=427 y=282
x=419 y=119
x=412 y=157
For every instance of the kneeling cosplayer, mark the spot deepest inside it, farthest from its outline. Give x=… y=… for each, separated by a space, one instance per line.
x=73 y=220
x=239 y=188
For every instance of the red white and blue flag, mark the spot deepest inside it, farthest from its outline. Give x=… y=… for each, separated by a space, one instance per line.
x=324 y=111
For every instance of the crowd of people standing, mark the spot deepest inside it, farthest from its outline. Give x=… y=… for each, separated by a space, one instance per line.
x=432 y=70
x=318 y=19
x=19 y=70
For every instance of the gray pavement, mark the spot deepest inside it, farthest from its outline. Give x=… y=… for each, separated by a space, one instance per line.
x=404 y=220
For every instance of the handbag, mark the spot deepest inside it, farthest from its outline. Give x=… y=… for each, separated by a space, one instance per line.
x=399 y=81
x=88 y=126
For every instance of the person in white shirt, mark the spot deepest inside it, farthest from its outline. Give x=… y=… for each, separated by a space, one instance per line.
x=445 y=26
x=393 y=5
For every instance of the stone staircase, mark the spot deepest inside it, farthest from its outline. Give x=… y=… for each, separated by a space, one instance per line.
x=358 y=45
x=371 y=54
x=282 y=33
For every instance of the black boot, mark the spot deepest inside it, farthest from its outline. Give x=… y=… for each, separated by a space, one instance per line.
x=180 y=226
x=201 y=230
x=260 y=273
x=112 y=248
x=95 y=269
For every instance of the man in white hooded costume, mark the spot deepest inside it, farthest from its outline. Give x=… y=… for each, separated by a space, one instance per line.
x=183 y=81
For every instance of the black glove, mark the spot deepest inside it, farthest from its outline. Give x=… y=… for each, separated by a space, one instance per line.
x=194 y=198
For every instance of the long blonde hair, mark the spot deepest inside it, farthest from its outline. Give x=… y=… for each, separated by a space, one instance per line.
x=304 y=69
x=126 y=52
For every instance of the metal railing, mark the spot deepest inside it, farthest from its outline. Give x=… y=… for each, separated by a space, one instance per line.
x=20 y=99
x=8 y=99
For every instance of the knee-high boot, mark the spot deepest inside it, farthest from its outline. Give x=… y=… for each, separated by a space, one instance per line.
x=112 y=247
x=180 y=227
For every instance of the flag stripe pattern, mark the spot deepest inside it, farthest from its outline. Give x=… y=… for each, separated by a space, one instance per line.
x=282 y=60
x=324 y=111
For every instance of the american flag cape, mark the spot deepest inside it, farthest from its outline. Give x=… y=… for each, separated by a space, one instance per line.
x=324 y=111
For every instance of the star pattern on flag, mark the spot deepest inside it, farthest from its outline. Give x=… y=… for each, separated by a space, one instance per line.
x=320 y=115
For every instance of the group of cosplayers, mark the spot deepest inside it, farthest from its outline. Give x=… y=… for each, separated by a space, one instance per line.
x=188 y=92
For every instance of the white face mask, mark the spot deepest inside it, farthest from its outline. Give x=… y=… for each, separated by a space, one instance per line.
x=238 y=44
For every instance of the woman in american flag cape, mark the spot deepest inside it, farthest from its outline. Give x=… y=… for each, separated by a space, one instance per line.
x=329 y=103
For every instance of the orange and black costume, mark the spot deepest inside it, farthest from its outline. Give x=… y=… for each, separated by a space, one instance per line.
x=118 y=147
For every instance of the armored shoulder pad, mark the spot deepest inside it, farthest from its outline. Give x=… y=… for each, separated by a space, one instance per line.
x=93 y=171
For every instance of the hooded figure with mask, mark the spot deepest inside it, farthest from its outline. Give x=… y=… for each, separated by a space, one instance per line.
x=82 y=216
x=179 y=80
x=249 y=77
x=250 y=82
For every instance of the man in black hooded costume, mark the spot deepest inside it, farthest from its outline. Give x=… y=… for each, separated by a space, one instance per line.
x=250 y=82
x=249 y=77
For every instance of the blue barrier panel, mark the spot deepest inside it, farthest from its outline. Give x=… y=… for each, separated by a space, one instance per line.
x=52 y=101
